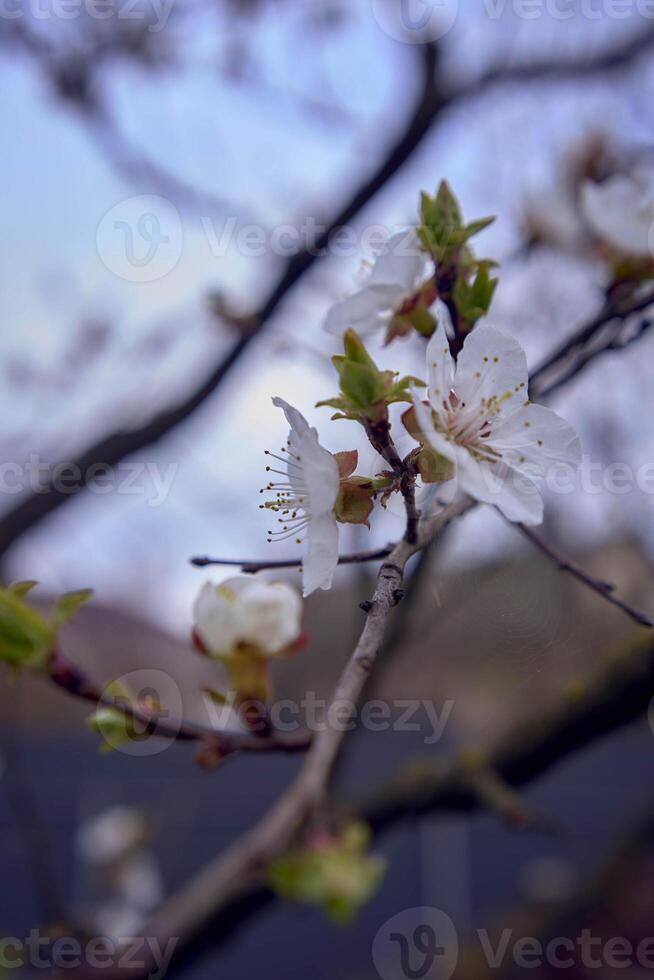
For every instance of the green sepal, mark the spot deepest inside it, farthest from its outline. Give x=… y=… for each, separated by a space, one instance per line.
x=432 y=465
x=355 y=501
x=249 y=676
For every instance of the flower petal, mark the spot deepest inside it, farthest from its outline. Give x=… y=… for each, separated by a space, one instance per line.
x=399 y=263
x=272 y=615
x=295 y=419
x=319 y=473
x=513 y=493
x=429 y=431
x=440 y=363
x=217 y=616
x=620 y=211
x=535 y=438
x=321 y=558
x=492 y=368
x=366 y=311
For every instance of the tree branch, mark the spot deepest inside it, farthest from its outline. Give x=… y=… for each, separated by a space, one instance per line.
x=66 y=675
x=432 y=102
x=572 y=355
x=111 y=449
x=603 y=589
x=252 y=567
x=618 y=694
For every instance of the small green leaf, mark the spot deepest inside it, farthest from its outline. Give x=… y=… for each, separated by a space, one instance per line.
x=26 y=638
x=360 y=384
x=476 y=226
x=355 y=350
x=68 y=604
x=21 y=589
x=112 y=726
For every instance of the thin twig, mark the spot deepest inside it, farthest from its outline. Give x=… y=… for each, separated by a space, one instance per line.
x=252 y=567
x=604 y=589
x=66 y=675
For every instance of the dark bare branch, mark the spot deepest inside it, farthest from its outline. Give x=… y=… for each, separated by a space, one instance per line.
x=604 y=589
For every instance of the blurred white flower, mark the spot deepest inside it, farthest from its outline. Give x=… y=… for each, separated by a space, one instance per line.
x=552 y=216
x=247 y=610
x=398 y=272
x=620 y=212
x=479 y=418
x=305 y=500
x=112 y=835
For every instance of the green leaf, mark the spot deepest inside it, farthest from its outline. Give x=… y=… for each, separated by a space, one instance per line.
x=361 y=384
x=26 y=638
x=476 y=226
x=112 y=726
x=356 y=351
x=68 y=604
x=22 y=588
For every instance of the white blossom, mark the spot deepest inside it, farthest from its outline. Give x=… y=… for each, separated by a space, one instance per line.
x=620 y=212
x=306 y=498
x=249 y=610
x=480 y=419
x=398 y=272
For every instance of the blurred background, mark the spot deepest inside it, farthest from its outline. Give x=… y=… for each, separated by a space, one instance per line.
x=169 y=171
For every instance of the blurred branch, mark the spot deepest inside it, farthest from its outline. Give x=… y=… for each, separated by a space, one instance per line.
x=618 y=694
x=231 y=886
x=611 y=329
x=611 y=58
x=113 y=448
x=604 y=589
x=434 y=98
x=228 y=892
x=546 y=921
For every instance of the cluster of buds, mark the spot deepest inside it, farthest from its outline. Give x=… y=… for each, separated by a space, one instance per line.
x=333 y=871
